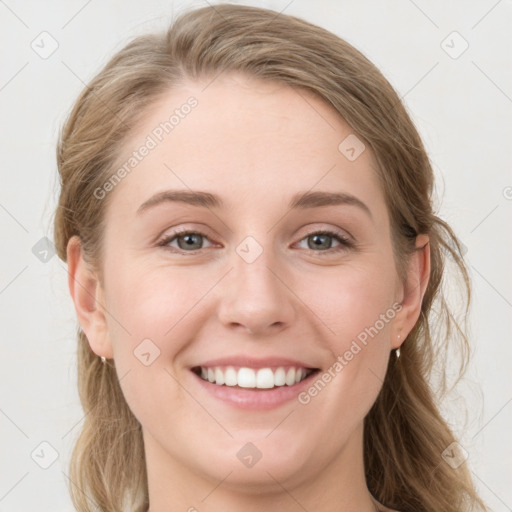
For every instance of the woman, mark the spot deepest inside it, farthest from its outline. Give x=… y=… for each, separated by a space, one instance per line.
x=254 y=261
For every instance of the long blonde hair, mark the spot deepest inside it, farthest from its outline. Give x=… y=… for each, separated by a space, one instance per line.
x=404 y=432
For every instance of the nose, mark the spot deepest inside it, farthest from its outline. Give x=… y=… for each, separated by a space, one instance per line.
x=256 y=296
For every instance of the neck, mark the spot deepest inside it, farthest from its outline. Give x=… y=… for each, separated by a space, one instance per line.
x=338 y=486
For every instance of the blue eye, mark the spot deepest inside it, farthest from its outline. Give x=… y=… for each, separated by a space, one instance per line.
x=186 y=240
x=320 y=239
x=190 y=242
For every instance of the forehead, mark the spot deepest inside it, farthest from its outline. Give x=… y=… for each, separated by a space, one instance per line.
x=248 y=141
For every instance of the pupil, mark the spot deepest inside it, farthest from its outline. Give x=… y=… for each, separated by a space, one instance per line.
x=190 y=239
x=318 y=240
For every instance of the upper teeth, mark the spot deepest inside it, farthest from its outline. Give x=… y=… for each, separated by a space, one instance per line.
x=263 y=378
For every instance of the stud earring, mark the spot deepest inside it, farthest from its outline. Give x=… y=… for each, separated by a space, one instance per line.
x=103 y=359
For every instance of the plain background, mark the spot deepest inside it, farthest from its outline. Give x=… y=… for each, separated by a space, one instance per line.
x=460 y=101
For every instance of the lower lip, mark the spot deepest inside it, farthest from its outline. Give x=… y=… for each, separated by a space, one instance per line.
x=255 y=399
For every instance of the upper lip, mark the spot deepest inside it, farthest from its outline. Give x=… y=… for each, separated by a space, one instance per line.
x=251 y=362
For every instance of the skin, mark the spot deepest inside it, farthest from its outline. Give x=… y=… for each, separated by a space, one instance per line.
x=253 y=143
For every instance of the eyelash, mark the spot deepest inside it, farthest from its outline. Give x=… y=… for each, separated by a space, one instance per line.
x=345 y=243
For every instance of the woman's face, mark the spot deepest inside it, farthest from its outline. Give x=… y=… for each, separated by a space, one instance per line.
x=254 y=289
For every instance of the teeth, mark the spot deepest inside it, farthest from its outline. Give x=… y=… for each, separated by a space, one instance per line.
x=263 y=378
x=280 y=377
x=246 y=378
x=230 y=377
x=290 y=377
x=219 y=376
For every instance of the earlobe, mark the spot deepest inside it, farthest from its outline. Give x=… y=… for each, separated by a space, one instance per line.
x=414 y=288
x=86 y=292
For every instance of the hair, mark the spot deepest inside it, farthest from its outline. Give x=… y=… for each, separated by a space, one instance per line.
x=404 y=432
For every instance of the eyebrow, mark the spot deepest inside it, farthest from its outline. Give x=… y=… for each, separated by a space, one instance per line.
x=302 y=200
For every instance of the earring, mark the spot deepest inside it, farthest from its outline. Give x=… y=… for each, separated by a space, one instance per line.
x=397 y=351
x=103 y=359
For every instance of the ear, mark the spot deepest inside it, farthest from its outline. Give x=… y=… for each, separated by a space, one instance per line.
x=87 y=294
x=412 y=291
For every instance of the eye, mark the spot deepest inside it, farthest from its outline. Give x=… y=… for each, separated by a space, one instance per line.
x=191 y=241
x=188 y=241
x=323 y=240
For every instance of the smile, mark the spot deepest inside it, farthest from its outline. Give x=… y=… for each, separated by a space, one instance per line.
x=252 y=378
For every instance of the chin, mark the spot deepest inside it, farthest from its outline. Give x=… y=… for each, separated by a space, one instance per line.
x=256 y=465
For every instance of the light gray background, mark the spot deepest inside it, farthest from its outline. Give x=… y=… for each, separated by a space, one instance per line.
x=462 y=107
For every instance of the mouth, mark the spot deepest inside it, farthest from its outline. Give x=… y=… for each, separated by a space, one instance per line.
x=254 y=378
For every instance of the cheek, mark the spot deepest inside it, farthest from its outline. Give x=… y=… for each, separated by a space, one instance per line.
x=148 y=326
x=355 y=306
x=358 y=310
x=350 y=300
x=150 y=302
x=359 y=313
